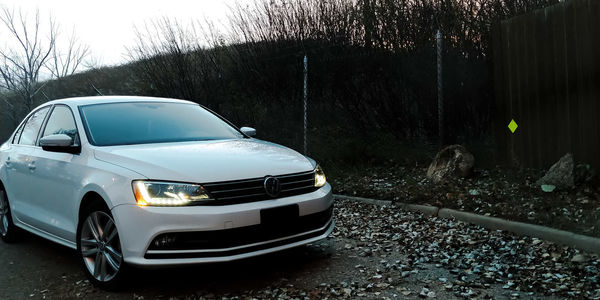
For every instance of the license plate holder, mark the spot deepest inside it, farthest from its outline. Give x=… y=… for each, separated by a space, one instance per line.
x=287 y=214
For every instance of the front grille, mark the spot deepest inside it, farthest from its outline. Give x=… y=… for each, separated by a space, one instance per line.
x=249 y=190
x=229 y=238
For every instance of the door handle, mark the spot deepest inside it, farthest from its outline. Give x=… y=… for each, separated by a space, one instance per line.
x=31 y=166
x=7 y=162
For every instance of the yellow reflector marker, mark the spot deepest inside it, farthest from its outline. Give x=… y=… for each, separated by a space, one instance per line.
x=512 y=126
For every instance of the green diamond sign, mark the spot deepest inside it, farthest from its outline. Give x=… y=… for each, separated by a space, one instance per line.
x=512 y=126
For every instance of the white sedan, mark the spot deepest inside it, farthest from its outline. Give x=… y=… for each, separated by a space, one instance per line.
x=154 y=182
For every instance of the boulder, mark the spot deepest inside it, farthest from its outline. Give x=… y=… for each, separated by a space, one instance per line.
x=454 y=160
x=560 y=174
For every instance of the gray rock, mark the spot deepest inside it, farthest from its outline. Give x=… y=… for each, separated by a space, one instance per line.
x=579 y=258
x=454 y=160
x=560 y=174
x=474 y=192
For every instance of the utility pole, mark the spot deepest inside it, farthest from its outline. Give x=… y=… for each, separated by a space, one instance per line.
x=305 y=102
x=440 y=89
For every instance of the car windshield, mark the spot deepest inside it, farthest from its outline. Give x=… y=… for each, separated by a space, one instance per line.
x=112 y=124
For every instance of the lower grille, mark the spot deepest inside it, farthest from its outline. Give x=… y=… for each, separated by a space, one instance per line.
x=249 y=190
x=230 y=238
x=239 y=250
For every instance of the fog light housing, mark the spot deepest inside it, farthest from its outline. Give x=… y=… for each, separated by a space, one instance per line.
x=164 y=241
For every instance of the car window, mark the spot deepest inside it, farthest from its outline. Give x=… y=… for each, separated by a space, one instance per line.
x=130 y=123
x=61 y=122
x=32 y=127
x=18 y=134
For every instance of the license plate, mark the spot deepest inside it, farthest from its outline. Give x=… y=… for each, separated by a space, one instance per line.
x=279 y=215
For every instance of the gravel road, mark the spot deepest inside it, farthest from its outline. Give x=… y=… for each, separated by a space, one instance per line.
x=375 y=253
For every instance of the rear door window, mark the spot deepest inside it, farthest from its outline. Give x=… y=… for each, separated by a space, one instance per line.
x=32 y=127
x=15 y=139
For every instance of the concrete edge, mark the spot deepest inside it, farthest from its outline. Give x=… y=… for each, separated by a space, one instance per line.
x=426 y=209
x=583 y=242
x=364 y=200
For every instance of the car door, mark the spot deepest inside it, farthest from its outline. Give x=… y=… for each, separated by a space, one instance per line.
x=14 y=163
x=19 y=172
x=57 y=177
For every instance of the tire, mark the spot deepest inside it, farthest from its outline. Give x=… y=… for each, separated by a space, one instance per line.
x=8 y=231
x=99 y=248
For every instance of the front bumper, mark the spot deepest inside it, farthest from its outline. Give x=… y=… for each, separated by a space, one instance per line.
x=139 y=226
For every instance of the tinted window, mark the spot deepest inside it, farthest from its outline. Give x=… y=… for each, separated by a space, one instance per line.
x=32 y=127
x=61 y=122
x=152 y=122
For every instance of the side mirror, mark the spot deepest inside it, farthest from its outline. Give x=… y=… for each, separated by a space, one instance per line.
x=59 y=143
x=249 y=131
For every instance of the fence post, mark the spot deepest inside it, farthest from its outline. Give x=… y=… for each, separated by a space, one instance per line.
x=439 y=89
x=305 y=102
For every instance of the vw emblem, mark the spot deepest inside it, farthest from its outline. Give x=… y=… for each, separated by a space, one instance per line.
x=272 y=186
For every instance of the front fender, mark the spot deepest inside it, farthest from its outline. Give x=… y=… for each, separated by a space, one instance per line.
x=109 y=181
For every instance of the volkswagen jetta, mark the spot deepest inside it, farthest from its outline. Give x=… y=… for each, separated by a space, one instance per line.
x=153 y=182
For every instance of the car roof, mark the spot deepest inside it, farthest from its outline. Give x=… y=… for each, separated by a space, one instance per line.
x=80 y=101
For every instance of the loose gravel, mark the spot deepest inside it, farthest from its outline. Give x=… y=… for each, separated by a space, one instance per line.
x=375 y=252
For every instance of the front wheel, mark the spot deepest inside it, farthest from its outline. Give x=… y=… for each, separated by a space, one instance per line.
x=8 y=230
x=100 y=249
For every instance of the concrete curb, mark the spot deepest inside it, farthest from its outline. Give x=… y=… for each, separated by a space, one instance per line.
x=426 y=209
x=583 y=242
x=364 y=200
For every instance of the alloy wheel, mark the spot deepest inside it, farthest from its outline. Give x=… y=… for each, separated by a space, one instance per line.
x=100 y=246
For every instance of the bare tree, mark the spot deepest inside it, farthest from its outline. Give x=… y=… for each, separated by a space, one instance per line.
x=66 y=63
x=170 y=57
x=92 y=62
x=10 y=108
x=20 y=65
x=33 y=50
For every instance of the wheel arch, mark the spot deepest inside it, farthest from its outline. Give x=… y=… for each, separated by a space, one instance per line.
x=90 y=198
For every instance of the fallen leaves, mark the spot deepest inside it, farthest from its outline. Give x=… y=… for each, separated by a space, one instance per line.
x=475 y=257
x=505 y=193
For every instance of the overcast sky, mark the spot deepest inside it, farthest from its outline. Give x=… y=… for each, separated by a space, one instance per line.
x=108 y=26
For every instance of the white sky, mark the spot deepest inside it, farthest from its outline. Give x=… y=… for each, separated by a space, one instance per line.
x=108 y=26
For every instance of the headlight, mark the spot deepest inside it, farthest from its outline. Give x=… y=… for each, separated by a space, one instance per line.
x=320 y=179
x=149 y=193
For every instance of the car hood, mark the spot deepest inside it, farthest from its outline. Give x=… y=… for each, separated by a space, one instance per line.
x=206 y=161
